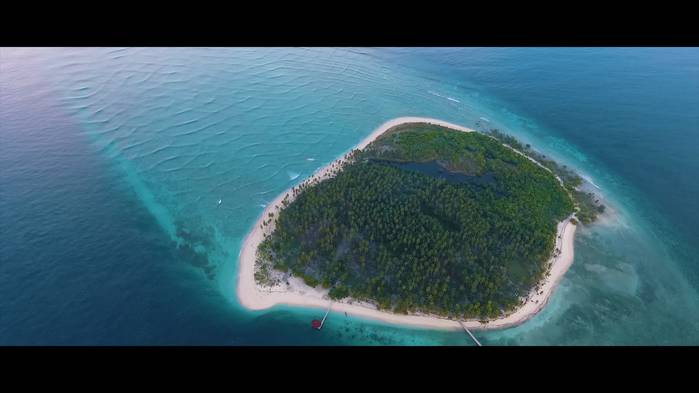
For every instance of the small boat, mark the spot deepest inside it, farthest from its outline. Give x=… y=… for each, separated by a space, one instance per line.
x=219 y=201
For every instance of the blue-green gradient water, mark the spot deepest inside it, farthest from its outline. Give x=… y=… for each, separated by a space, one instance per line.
x=112 y=162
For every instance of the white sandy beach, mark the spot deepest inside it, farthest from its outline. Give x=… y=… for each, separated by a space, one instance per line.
x=297 y=293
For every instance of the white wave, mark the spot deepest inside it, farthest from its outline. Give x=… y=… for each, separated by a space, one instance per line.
x=310 y=159
x=587 y=179
x=292 y=175
x=485 y=119
x=439 y=95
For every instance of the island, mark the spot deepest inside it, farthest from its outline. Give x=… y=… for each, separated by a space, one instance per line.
x=423 y=223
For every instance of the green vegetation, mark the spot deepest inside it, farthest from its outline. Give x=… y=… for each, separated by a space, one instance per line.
x=424 y=219
x=587 y=205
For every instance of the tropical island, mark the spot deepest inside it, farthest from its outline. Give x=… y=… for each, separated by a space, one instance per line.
x=423 y=223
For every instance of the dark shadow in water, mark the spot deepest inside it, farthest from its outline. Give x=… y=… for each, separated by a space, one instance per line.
x=195 y=250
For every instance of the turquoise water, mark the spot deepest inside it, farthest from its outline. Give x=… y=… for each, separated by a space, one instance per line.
x=114 y=161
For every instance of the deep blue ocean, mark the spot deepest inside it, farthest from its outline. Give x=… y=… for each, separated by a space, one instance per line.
x=112 y=161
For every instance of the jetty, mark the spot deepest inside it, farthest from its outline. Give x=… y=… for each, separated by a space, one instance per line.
x=316 y=324
x=470 y=334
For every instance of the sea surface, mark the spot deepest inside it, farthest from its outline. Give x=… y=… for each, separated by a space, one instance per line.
x=113 y=160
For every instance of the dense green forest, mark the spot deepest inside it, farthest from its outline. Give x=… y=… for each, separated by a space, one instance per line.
x=425 y=219
x=586 y=203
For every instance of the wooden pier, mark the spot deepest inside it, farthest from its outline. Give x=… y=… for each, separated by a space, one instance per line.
x=470 y=334
x=319 y=325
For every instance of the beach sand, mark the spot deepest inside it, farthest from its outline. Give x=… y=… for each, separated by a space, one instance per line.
x=297 y=293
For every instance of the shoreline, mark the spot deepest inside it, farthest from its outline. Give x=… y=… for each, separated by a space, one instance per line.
x=297 y=293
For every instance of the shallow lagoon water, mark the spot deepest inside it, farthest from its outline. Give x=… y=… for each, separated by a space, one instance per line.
x=114 y=160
